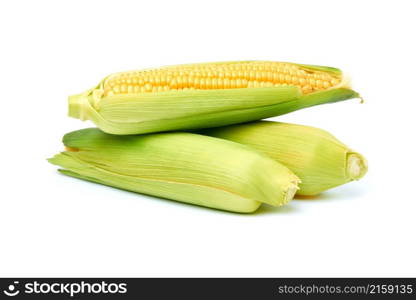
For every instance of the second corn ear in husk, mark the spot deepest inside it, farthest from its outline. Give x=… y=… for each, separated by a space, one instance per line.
x=319 y=159
x=185 y=167
x=206 y=95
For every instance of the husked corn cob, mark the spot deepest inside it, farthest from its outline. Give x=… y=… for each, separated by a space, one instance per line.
x=206 y=95
x=185 y=167
x=319 y=160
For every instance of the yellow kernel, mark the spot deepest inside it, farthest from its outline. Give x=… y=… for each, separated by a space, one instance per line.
x=233 y=84
x=202 y=83
x=334 y=81
x=319 y=83
x=301 y=73
x=226 y=83
x=187 y=81
x=195 y=83
x=311 y=81
x=326 y=77
x=307 y=88
x=180 y=83
x=208 y=83
x=295 y=80
x=214 y=83
x=220 y=83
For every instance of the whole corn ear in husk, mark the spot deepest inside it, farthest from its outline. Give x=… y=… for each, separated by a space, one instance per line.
x=206 y=95
x=185 y=167
x=314 y=155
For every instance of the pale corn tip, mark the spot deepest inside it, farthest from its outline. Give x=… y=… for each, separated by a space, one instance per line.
x=345 y=82
x=356 y=166
x=290 y=193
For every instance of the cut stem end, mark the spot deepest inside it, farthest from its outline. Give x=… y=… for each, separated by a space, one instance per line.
x=356 y=166
x=290 y=193
x=76 y=106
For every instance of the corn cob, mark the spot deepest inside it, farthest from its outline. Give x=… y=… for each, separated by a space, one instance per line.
x=319 y=160
x=206 y=95
x=185 y=167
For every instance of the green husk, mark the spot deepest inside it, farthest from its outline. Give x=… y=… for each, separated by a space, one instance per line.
x=314 y=155
x=196 y=109
x=185 y=167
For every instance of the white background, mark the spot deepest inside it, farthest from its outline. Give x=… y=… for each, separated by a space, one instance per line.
x=52 y=225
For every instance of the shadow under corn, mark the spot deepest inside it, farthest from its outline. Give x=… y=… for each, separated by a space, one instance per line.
x=340 y=193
